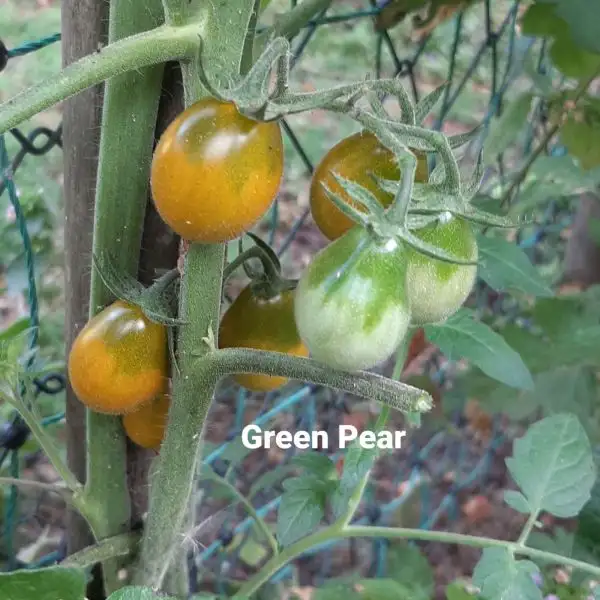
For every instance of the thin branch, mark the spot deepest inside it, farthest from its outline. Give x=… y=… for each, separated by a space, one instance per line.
x=63 y=491
x=142 y=50
x=398 y=395
x=259 y=521
x=113 y=547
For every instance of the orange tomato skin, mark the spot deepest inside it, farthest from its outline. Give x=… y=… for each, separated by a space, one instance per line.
x=146 y=426
x=119 y=360
x=253 y=322
x=355 y=158
x=215 y=172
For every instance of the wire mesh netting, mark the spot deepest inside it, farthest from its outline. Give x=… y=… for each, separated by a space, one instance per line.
x=429 y=478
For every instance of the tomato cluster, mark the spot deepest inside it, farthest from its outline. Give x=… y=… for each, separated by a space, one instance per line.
x=214 y=174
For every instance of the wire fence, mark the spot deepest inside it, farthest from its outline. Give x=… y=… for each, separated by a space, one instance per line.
x=428 y=457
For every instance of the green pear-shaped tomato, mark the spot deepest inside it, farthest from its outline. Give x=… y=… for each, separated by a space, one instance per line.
x=436 y=289
x=350 y=304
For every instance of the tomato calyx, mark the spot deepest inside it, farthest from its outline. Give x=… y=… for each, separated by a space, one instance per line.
x=158 y=302
x=266 y=282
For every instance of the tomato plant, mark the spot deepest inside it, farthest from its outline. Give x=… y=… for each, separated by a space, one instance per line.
x=356 y=158
x=351 y=308
x=262 y=323
x=215 y=172
x=436 y=289
x=119 y=360
x=146 y=425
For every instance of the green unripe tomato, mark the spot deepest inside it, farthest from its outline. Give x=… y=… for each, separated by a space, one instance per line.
x=350 y=304
x=437 y=289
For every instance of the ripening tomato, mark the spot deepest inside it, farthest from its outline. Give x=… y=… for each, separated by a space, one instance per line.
x=263 y=324
x=119 y=360
x=146 y=426
x=351 y=308
x=437 y=289
x=215 y=172
x=355 y=158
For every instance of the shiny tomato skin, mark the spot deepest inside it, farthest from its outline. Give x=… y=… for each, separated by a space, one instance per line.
x=215 y=172
x=146 y=426
x=118 y=361
x=351 y=308
x=437 y=289
x=355 y=158
x=254 y=322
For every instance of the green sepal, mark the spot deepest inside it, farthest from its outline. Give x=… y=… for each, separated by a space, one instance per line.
x=427 y=104
x=347 y=209
x=429 y=250
x=360 y=194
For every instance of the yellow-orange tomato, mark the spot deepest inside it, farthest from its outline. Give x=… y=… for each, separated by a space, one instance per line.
x=146 y=426
x=356 y=158
x=119 y=360
x=254 y=322
x=215 y=172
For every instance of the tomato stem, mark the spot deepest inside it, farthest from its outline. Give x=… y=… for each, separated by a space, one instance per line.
x=231 y=361
x=135 y=52
x=121 y=198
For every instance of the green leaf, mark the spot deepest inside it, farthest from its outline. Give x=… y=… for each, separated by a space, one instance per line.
x=501 y=577
x=269 y=479
x=504 y=266
x=43 y=584
x=507 y=128
x=357 y=463
x=315 y=463
x=565 y=389
x=408 y=566
x=301 y=510
x=581 y=135
x=576 y=15
x=553 y=466
x=15 y=329
x=572 y=60
x=462 y=337
x=517 y=501
x=540 y=20
x=457 y=591
x=561 y=542
x=137 y=593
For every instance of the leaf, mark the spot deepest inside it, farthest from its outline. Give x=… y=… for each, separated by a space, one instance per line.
x=581 y=135
x=315 y=463
x=407 y=565
x=269 y=479
x=517 y=501
x=572 y=60
x=457 y=591
x=301 y=510
x=462 y=337
x=15 y=329
x=357 y=463
x=501 y=577
x=576 y=15
x=553 y=466
x=506 y=129
x=504 y=266
x=540 y=20
x=594 y=230
x=43 y=584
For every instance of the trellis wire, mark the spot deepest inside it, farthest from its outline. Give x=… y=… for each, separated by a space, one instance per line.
x=418 y=471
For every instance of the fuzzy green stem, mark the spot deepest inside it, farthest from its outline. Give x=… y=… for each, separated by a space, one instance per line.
x=258 y=520
x=135 y=52
x=193 y=389
x=357 y=495
x=113 y=547
x=359 y=531
x=230 y=361
x=522 y=541
x=128 y=122
x=223 y=35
